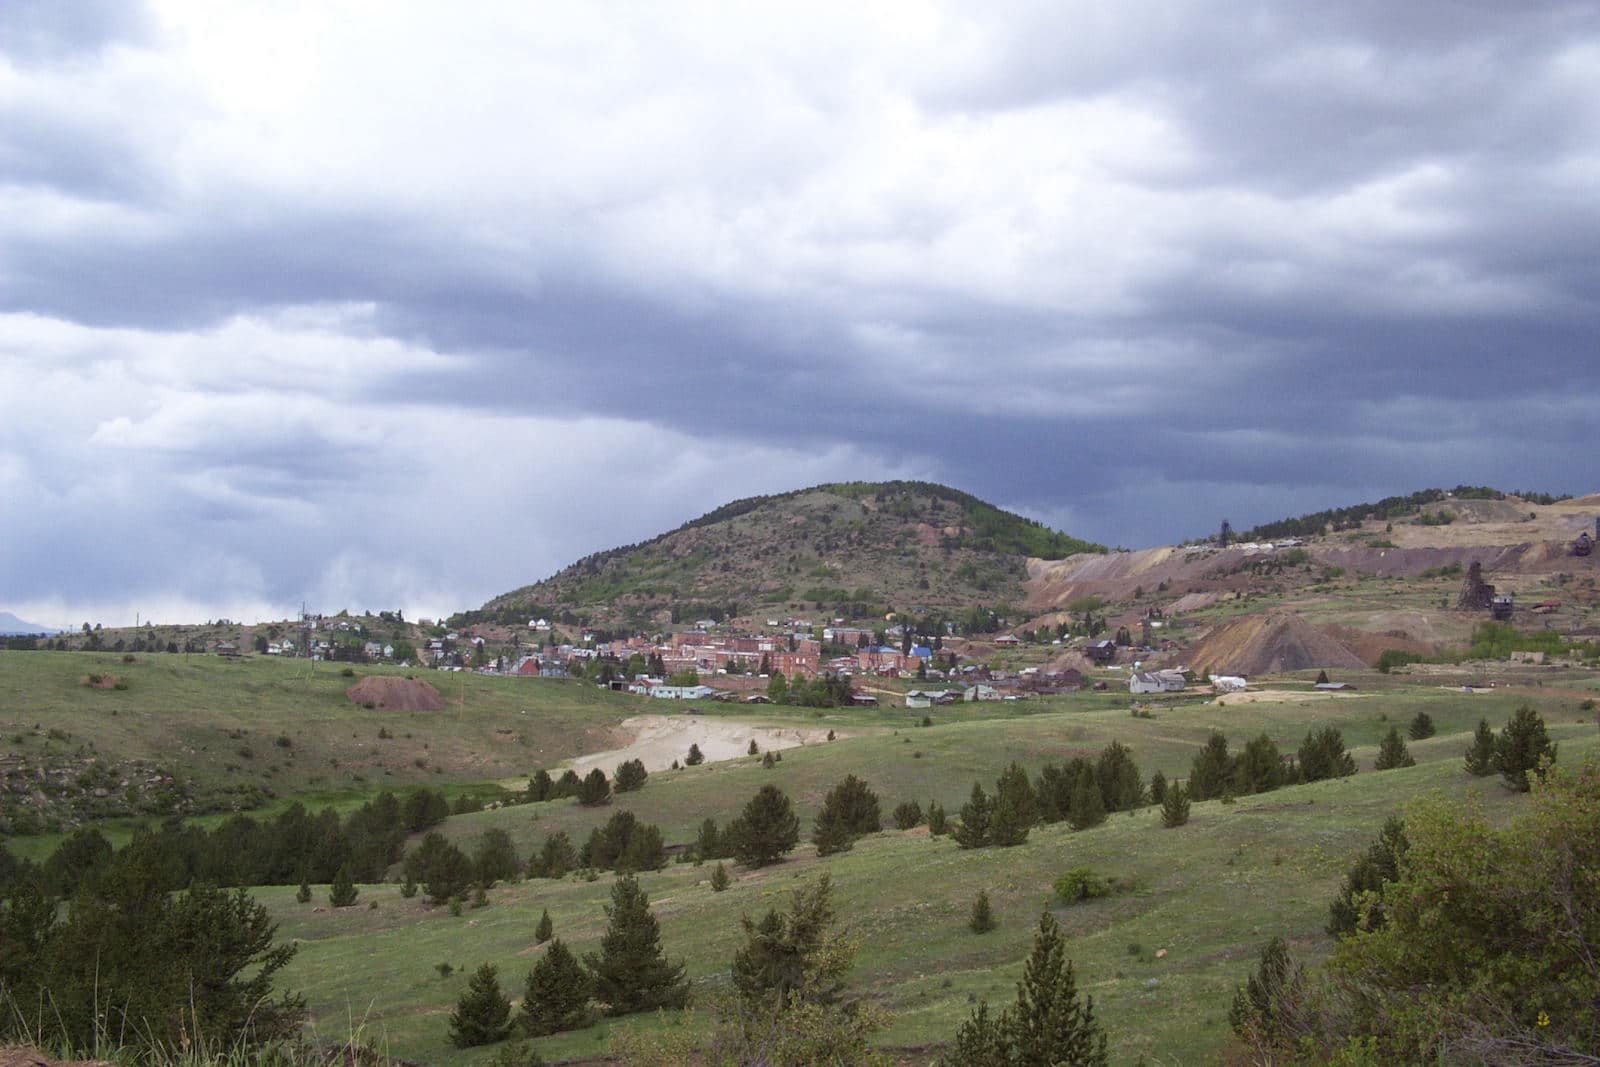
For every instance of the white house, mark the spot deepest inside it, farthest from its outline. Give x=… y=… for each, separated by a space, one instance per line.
x=1156 y=682
x=980 y=692
x=682 y=692
x=1228 y=683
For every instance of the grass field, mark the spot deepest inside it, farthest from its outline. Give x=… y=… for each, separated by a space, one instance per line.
x=1209 y=893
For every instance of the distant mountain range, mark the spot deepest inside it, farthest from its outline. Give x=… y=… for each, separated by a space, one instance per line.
x=11 y=626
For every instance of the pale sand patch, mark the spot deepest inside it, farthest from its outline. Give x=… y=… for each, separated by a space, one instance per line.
x=657 y=740
x=1285 y=696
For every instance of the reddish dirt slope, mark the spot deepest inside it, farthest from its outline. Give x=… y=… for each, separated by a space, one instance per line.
x=1268 y=644
x=396 y=694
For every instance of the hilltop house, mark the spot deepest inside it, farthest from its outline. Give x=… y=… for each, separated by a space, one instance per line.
x=1101 y=652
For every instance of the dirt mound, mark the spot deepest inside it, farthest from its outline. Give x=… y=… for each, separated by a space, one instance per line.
x=1269 y=644
x=1369 y=645
x=1065 y=661
x=395 y=694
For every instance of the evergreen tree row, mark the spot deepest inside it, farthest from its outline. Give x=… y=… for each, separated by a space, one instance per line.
x=294 y=847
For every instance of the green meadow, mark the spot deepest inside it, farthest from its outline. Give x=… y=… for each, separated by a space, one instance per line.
x=1160 y=958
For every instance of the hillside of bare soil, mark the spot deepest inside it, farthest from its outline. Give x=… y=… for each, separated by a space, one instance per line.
x=1269 y=644
x=658 y=740
x=395 y=694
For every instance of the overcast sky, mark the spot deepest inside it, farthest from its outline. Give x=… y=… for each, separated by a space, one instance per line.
x=379 y=305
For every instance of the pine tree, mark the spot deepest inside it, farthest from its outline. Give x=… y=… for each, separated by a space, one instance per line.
x=977 y=820
x=540 y=786
x=1421 y=727
x=856 y=806
x=594 y=789
x=1158 y=788
x=754 y=749
x=982 y=918
x=343 y=892
x=1016 y=809
x=495 y=859
x=483 y=1014
x=709 y=844
x=765 y=830
x=1323 y=755
x=1175 y=807
x=792 y=958
x=938 y=825
x=1212 y=771
x=830 y=834
x=630 y=972
x=719 y=878
x=1520 y=746
x=1266 y=1010
x=545 y=930
x=1087 y=808
x=1048 y=1024
x=1259 y=768
x=303 y=894
x=1121 y=787
x=1392 y=752
x=557 y=994
x=555 y=857
x=1357 y=905
x=695 y=756
x=1480 y=757
x=631 y=775
x=907 y=815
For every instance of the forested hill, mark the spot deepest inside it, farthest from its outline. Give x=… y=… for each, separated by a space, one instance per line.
x=1425 y=503
x=855 y=548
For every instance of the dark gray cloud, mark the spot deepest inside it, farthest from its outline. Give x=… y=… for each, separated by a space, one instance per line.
x=296 y=309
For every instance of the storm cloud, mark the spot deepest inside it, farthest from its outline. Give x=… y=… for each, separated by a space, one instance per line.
x=370 y=309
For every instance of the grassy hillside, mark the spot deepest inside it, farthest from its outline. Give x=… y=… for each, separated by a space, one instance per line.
x=196 y=734
x=906 y=896
x=852 y=547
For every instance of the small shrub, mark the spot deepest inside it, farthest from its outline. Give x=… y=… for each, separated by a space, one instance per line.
x=444 y=969
x=982 y=918
x=348 y=672
x=1081 y=883
x=719 y=878
x=907 y=815
x=1175 y=807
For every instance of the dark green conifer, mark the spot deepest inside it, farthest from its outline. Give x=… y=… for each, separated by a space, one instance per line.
x=1087 y=808
x=557 y=994
x=545 y=930
x=1175 y=806
x=343 y=892
x=1480 y=756
x=982 y=919
x=1521 y=745
x=483 y=1014
x=630 y=972
x=1392 y=752
x=977 y=820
